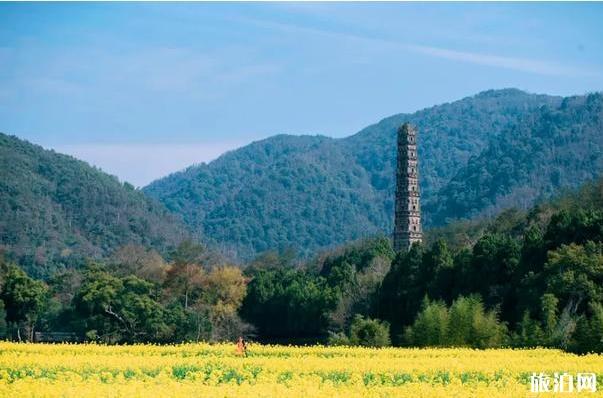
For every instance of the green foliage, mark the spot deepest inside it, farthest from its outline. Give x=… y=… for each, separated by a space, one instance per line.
x=188 y=252
x=430 y=327
x=314 y=192
x=549 y=313
x=3 y=324
x=402 y=290
x=578 y=226
x=55 y=211
x=465 y=323
x=545 y=264
x=358 y=256
x=288 y=303
x=115 y=309
x=363 y=332
x=338 y=338
x=439 y=263
x=547 y=149
x=23 y=299
x=355 y=272
x=494 y=264
x=575 y=274
x=369 y=332
x=528 y=333
x=112 y=308
x=589 y=331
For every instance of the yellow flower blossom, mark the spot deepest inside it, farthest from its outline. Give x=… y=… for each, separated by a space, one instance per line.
x=214 y=370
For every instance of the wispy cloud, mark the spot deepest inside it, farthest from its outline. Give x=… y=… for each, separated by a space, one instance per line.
x=520 y=64
x=537 y=66
x=154 y=70
x=183 y=71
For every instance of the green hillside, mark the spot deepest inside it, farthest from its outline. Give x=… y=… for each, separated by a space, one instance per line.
x=56 y=210
x=551 y=148
x=312 y=192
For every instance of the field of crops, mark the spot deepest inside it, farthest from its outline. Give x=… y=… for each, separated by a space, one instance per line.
x=202 y=370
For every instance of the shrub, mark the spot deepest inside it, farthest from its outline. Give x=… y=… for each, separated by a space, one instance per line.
x=363 y=332
x=465 y=323
x=369 y=332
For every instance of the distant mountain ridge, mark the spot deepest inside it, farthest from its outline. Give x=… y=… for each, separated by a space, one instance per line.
x=549 y=149
x=478 y=155
x=311 y=192
x=56 y=210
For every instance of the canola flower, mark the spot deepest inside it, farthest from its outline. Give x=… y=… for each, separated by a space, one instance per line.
x=215 y=370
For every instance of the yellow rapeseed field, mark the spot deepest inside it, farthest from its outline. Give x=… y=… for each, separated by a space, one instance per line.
x=204 y=370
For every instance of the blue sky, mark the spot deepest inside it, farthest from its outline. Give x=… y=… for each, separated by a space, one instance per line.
x=144 y=89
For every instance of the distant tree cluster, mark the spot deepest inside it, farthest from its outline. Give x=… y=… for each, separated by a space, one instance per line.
x=547 y=150
x=522 y=279
x=525 y=278
x=135 y=296
x=56 y=212
x=477 y=156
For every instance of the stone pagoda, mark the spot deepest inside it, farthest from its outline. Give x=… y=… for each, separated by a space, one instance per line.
x=407 y=229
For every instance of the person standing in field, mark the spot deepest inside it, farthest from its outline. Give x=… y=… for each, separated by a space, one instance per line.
x=241 y=347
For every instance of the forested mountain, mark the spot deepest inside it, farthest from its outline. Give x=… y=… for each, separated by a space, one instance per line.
x=549 y=148
x=477 y=154
x=494 y=150
x=56 y=210
x=525 y=278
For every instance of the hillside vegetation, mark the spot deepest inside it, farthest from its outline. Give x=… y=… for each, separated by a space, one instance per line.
x=497 y=149
x=525 y=278
x=56 y=210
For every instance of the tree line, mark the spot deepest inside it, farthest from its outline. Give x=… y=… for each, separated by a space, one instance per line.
x=478 y=155
x=523 y=279
x=135 y=296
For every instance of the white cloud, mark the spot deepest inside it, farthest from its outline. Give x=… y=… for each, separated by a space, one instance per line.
x=140 y=164
x=541 y=67
x=521 y=64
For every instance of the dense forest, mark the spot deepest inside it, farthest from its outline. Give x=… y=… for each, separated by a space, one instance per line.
x=56 y=211
x=550 y=148
x=513 y=254
x=524 y=278
x=498 y=149
x=478 y=155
